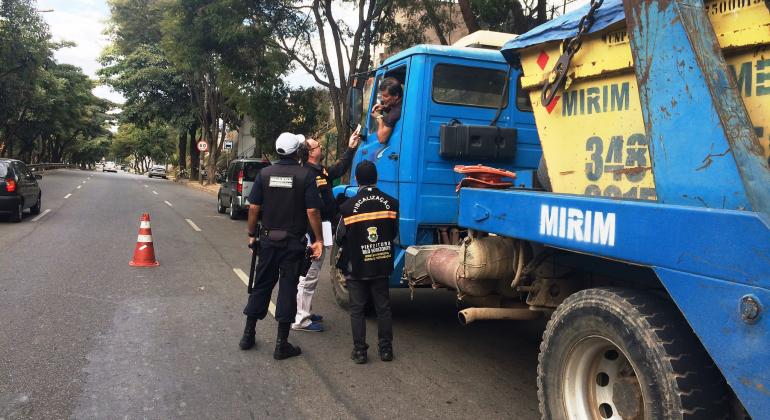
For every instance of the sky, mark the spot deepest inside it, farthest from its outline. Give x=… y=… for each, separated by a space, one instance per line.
x=84 y=22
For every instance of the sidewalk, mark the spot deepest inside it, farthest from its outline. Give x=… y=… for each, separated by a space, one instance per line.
x=211 y=189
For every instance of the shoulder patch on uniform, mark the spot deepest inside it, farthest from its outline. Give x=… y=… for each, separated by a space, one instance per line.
x=281 y=182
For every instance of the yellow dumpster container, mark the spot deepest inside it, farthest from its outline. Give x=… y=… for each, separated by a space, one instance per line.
x=593 y=134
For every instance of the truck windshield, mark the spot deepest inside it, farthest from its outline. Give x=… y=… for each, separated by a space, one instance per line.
x=469 y=86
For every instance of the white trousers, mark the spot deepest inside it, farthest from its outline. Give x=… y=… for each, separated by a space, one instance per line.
x=305 y=291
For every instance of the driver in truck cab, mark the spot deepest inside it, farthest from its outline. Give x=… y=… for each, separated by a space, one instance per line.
x=388 y=111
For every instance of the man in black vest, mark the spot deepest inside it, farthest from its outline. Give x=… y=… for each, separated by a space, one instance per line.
x=324 y=176
x=287 y=197
x=367 y=232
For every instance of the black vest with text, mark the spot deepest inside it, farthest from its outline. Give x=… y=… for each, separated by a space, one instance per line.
x=371 y=225
x=283 y=198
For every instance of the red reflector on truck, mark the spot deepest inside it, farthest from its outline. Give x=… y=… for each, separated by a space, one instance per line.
x=240 y=182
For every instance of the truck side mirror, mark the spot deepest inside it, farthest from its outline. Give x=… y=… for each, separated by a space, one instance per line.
x=356 y=105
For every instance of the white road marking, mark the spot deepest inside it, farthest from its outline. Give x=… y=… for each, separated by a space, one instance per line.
x=154 y=192
x=41 y=215
x=193 y=225
x=145 y=185
x=79 y=186
x=245 y=279
x=83 y=182
x=169 y=204
x=68 y=196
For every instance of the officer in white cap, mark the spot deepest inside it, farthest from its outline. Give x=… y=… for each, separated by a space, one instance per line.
x=286 y=197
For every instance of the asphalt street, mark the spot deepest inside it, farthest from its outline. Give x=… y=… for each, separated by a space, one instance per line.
x=83 y=335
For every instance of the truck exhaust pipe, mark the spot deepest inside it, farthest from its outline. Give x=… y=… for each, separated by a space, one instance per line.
x=466 y=316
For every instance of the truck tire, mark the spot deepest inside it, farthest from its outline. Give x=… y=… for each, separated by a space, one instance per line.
x=339 y=290
x=619 y=353
x=542 y=175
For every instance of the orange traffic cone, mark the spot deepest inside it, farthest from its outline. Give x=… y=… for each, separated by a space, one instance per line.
x=144 y=254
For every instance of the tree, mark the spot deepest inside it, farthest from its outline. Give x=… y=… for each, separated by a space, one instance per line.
x=138 y=67
x=348 y=52
x=512 y=16
x=25 y=46
x=143 y=145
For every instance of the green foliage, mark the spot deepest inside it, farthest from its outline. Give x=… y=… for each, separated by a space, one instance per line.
x=204 y=63
x=47 y=111
x=303 y=110
x=142 y=145
x=512 y=16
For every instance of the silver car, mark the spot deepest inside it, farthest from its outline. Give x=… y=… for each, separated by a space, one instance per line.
x=157 y=171
x=236 y=187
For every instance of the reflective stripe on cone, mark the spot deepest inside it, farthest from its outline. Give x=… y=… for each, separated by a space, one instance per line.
x=144 y=253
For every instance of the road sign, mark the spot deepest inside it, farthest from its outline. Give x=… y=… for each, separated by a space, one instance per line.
x=228 y=145
x=203 y=146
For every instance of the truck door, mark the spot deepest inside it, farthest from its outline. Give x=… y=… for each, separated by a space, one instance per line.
x=386 y=156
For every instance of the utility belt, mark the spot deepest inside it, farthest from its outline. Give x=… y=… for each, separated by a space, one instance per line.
x=281 y=238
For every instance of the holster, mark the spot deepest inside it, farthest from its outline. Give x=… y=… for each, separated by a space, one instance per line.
x=277 y=238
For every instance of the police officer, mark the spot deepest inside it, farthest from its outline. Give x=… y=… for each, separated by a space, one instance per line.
x=287 y=197
x=367 y=232
x=324 y=176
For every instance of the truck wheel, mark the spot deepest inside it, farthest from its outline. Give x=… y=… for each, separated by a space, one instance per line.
x=617 y=353
x=542 y=175
x=339 y=289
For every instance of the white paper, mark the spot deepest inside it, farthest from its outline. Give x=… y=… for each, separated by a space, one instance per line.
x=326 y=229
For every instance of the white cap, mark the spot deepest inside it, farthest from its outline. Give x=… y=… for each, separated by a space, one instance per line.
x=288 y=143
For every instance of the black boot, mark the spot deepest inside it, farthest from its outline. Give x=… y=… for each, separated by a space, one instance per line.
x=284 y=349
x=248 y=341
x=359 y=354
x=386 y=354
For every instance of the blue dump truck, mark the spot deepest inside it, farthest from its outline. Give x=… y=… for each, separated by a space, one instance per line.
x=607 y=171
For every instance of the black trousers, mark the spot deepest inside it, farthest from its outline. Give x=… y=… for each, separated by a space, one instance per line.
x=276 y=265
x=360 y=290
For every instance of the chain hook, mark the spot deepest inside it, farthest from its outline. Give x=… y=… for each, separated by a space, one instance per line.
x=558 y=75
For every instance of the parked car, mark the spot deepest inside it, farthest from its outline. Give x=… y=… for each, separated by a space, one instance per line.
x=110 y=167
x=235 y=188
x=158 y=171
x=19 y=189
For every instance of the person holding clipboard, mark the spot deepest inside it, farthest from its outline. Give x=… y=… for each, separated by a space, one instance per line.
x=305 y=320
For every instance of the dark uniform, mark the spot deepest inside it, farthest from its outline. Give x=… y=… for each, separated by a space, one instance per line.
x=284 y=191
x=324 y=176
x=366 y=232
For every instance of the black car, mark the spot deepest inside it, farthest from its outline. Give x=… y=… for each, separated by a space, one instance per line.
x=235 y=188
x=19 y=189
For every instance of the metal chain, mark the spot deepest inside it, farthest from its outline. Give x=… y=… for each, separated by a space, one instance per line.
x=558 y=75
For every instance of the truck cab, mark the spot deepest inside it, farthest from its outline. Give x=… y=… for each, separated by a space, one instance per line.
x=449 y=116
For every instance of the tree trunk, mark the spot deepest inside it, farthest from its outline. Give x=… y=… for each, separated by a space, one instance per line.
x=195 y=156
x=542 y=12
x=182 y=149
x=468 y=18
x=434 y=22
